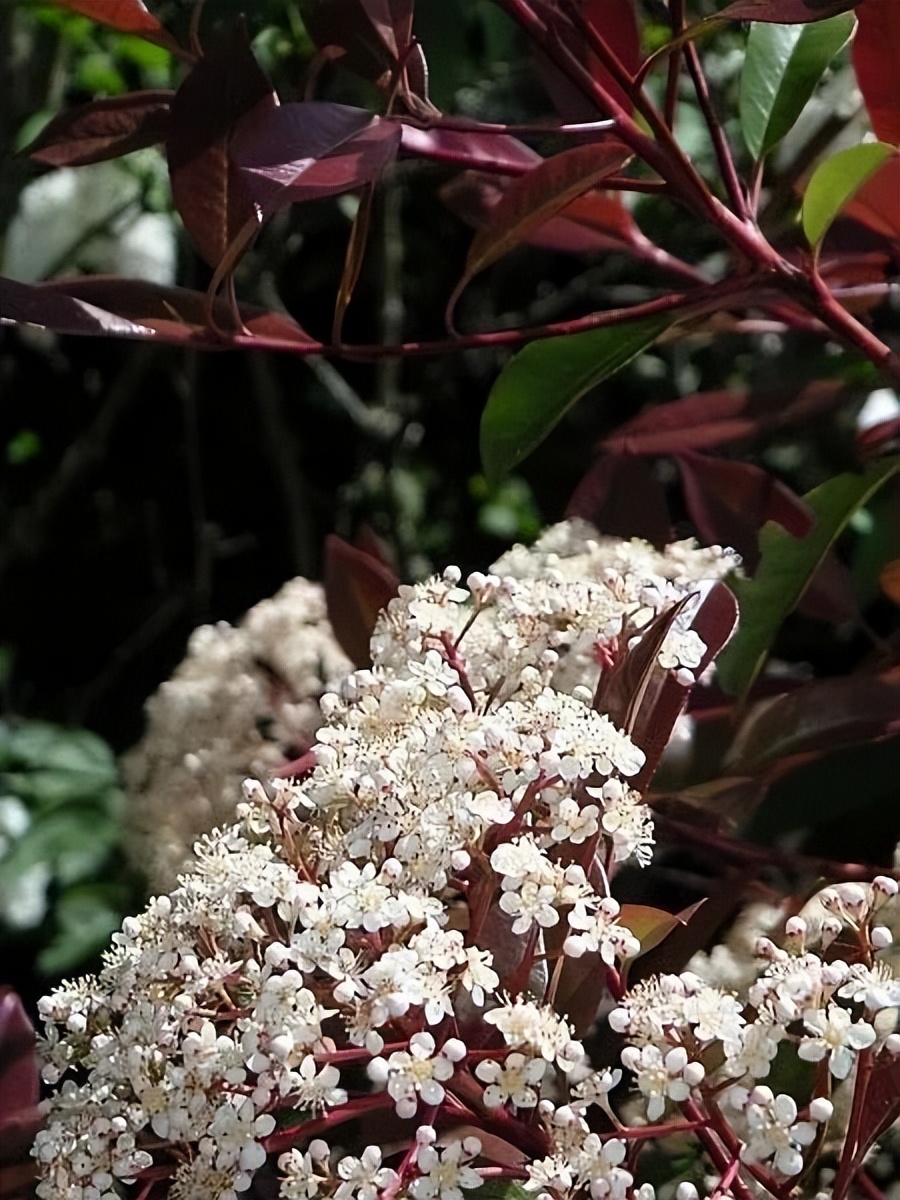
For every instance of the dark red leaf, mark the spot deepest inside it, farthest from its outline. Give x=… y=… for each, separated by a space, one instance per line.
x=208 y=190
x=620 y=497
x=877 y=203
x=110 y=306
x=889 y=580
x=821 y=716
x=786 y=12
x=666 y=698
x=879 y=439
x=374 y=34
x=31 y=304
x=128 y=16
x=687 y=937
x=308 y=150
x=616 y=22
x=624 y=686
x=876 y=53
x=730 y=501
x=103 y=129
x=707 y=419
x=357 y=587
x=488 y=151
x=528 y=203
x=19 y=1073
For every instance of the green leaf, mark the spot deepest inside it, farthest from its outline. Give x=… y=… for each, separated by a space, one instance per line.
x=835 y=182
x=542 y=382
x=782 y=66
x=786 y=567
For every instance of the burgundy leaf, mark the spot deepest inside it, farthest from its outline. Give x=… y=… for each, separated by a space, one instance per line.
x=32 y=304
x=208 y=189
x=357 y=587
x=111 y=306
x=472 y=196
x=128 y=16
x=392 y=20
x=707 y=419
x=876 y=52
x=879 y=439
x=373 y=35
x=620 y=497
x=487 y=151
x=785 y=12
x=889 y=580
x=616 y=22
x=666 y=698
x=623 y=687
x=103 y=129
x=821 y=716
x=875 y=204
x=687 y=937
x=529 y=202
x=19 y=1073
x=312 y=149
x=730 y=501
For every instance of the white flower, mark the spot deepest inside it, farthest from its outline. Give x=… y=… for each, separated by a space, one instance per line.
x=514 y=1079
x=660 y=1078
x=444 y=1173
x=364 y=1177
x=413 y=1073
x=833 y=1032
x=773 y=1129
x=316 y=1091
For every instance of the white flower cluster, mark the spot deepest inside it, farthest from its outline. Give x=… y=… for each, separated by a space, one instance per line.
x=367 y=965
x=244 y=701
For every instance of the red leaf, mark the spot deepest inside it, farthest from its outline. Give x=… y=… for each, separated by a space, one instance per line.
x=19 y=1074
x=620 y=497
x=821 y=716
x=616 y=22
x=529 y=202
x=488 y=151
x=876 y=53
x=103 y=129
x=128 y=16
x=785 y=12
x=879 y=439
x=472 y=196
x=311 y=149
x=31 y=304
x=730 y=501
x=665 y=699
x=877 y=203
x=207 y=188
x=108 y=306
x=706 y=419
x=374 y=34
x=357 y=587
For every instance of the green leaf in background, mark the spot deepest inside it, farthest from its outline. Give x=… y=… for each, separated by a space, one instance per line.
x=785 y=569
x=542 y=382
x=782 y=66
x=835 y=182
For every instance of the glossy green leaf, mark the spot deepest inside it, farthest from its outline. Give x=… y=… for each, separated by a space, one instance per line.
x=835 y=182
x=782 y=66
x=542 y=382
x=786 y=567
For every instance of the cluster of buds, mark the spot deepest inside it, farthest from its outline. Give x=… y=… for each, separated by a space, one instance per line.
x=372 y=984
